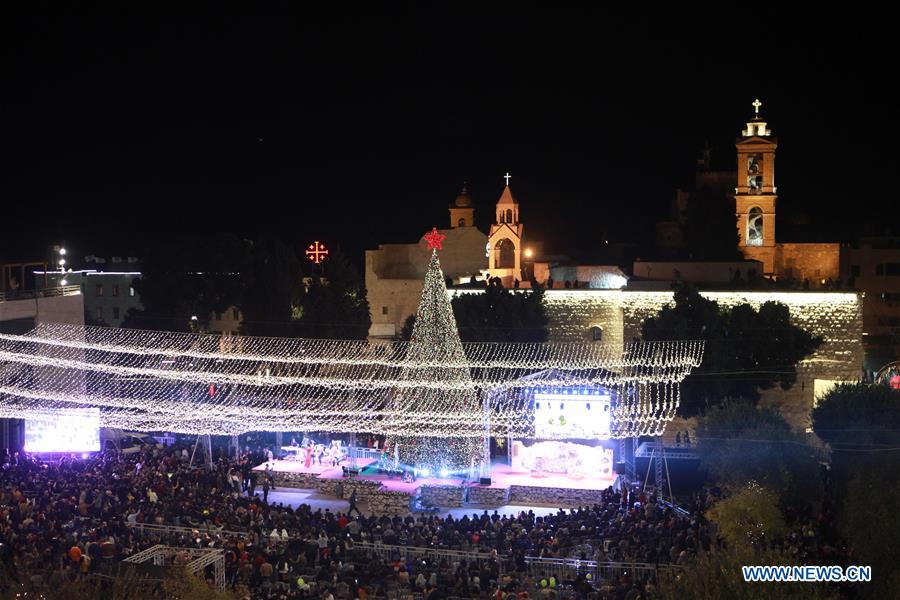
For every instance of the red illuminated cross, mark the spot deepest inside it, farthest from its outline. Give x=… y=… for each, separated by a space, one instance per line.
x=317 y=252
x=434 y=239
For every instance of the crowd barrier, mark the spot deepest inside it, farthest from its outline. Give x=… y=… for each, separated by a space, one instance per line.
x=567 y=569
x=564 y=569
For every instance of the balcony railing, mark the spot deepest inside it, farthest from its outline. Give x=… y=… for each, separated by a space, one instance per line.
x=49 y=292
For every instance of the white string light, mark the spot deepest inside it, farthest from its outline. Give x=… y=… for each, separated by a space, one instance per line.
x=430 y=387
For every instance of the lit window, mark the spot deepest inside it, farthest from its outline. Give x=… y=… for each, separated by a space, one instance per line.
x=115 y=290
x=131 y=291
x=755 y=227
x=99 y=289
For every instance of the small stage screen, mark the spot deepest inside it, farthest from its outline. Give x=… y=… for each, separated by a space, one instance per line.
x=64 y=430
x=571 y=416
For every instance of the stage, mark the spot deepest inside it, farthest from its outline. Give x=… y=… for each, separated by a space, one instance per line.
x=505 y=481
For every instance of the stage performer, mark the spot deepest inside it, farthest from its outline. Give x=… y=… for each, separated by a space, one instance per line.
x=308 y=456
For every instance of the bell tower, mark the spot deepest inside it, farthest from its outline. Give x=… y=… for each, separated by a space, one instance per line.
x=755 y=194
x=504 y=248
x=462 y=213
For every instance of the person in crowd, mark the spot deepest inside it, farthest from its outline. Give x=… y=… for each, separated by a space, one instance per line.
x=70 y=518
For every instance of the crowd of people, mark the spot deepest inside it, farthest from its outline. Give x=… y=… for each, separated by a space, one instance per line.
x=69 y=518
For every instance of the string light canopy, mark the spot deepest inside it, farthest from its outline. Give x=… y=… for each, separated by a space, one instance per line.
x=433 y=386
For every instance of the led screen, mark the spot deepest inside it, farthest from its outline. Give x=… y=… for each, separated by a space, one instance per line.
x=569 y=416
x=69 y=430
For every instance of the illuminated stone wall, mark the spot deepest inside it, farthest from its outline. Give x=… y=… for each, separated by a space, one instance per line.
x=809 y=261
x=835 y=316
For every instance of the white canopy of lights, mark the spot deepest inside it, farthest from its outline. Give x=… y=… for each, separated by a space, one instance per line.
x=201 y=383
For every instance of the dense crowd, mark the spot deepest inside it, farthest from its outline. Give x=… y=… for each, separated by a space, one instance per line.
x=70 y=518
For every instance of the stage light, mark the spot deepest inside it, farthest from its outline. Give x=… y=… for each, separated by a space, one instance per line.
x=445 y=473
x=84 y=455
x=425 y=472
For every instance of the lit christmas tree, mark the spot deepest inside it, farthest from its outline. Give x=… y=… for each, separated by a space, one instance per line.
x=435 y=345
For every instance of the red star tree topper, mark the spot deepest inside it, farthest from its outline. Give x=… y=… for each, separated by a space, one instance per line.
x=434 y=239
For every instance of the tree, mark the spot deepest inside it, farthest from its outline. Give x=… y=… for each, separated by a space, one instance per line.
x=334 y=306
x=186 y=277
x=272 y=287
x=717 y=574
x=436 y=353
x=858 y=415
x=747 y=350
x=749 y=516
x=500 y=315
x=407 y=329
x=710 y=226
x=861 y=423
x=740 y=442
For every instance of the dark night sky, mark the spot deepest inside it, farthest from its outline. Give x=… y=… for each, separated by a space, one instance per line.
x=359 y=127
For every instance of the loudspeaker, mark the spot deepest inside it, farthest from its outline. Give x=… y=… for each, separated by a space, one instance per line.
x=485 y=481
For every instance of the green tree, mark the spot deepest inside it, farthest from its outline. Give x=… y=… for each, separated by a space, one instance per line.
x=740 y=442
x=861 y=423
x=407 y=329
x=334 y=306
x=190 y=276
x=747 y=350
x=749 y=516
x=501 y=315
x=272 y=287
x=717 y=574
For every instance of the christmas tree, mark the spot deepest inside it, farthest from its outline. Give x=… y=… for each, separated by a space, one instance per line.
x=435 y=435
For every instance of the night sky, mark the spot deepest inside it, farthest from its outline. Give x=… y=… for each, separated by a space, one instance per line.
x=359 y=127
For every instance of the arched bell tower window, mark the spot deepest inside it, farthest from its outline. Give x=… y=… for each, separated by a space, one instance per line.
x=505 y=257
x=509 y=218
x=755 y=172
x=755 y=227
x=461 y=223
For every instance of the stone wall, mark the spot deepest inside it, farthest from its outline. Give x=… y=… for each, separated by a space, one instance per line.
x=383 y=502
x=363 y=487
x=808 y=261
x=488 y=496
x=307 y=481
x=449 y=496
x=558 y=497
x=835 y=316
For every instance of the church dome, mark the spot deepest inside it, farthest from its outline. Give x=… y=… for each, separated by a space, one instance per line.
x=464 y=200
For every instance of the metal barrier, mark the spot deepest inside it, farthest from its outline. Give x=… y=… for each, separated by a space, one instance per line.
x=412 y=553
x=564 y=569
x=568 y=569
x=177 y=530
x=200 y=559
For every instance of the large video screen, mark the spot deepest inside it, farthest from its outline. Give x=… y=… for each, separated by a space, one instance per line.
x=64 y=430
x=571 y=416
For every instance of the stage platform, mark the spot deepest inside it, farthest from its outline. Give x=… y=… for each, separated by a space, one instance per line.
x=507 y=486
